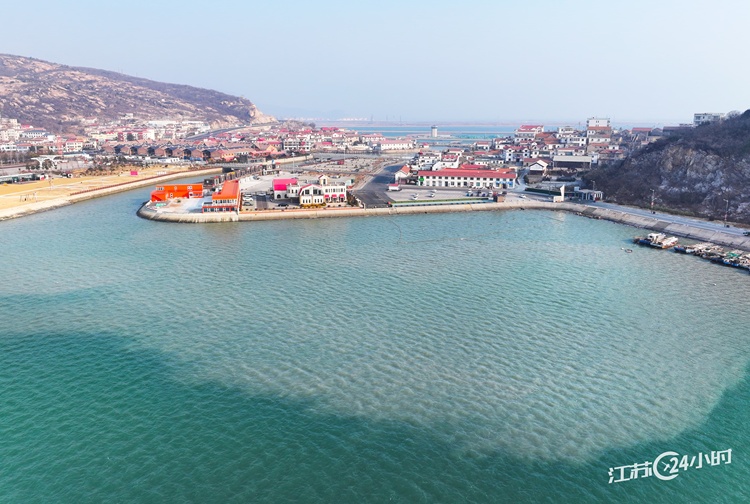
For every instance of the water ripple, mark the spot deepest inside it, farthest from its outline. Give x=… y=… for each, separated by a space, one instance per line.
x=529 y=336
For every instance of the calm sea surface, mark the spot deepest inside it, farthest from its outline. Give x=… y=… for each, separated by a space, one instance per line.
x=496 y=357
x=458 y=132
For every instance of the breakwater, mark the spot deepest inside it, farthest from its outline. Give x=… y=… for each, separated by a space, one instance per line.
x=653 y=223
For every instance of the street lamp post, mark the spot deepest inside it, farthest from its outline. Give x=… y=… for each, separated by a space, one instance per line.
x=652 y=201
x=726 y=213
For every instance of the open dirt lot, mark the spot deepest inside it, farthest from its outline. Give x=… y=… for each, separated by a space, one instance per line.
x=18 y=195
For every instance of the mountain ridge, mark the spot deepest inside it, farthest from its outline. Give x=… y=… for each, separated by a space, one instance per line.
x=58 y=97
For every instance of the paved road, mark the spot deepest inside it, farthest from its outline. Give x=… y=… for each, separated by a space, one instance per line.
x=373 y=193
x=677 y=219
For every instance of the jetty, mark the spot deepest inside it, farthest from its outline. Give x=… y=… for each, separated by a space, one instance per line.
x=652 y=223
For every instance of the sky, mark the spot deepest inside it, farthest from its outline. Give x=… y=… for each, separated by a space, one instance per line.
x=649 y=62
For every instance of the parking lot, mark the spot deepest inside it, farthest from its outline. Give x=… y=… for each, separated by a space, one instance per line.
x=415 y=193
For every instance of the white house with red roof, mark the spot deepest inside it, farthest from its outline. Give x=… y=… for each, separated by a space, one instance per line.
x=499 y=143
x=371 y=139
x=538 y=167
x=598 y=131
x=504 y=179
x=570 y=151
x=402 y=173
x=448 y=160
x=598 y=134
x=425 y=159
x=394 y=144
x=326 y=191
x=527 y=132
x=281 y=188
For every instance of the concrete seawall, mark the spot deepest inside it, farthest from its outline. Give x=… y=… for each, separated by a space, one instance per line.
x=655 y=224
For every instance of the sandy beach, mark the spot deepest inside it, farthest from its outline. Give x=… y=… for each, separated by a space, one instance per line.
x=17 y=200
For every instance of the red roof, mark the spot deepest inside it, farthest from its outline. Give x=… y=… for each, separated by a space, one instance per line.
x=281 y=183
x=230 y=190
x=457 y=172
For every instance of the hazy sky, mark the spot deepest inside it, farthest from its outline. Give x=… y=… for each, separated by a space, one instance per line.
x=647 y=61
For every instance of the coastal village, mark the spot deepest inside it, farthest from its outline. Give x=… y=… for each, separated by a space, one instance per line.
x=284 y=170
x=438 y=160
x=533 y=146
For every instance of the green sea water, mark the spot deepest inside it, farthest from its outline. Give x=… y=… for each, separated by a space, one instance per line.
x=494 y=357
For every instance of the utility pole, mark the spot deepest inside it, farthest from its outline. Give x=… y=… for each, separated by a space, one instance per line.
x=726 y=213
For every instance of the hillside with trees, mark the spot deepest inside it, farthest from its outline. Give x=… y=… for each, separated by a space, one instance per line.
x=702 y=171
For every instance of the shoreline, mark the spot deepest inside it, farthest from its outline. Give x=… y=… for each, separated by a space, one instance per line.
x=43 y=206
x=651 y=223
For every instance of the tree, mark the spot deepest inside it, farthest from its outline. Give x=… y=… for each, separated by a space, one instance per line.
x=130 y=137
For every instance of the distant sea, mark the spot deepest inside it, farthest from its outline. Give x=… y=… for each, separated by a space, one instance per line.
x=494 y=357
x=459 y=131
x=456 y=131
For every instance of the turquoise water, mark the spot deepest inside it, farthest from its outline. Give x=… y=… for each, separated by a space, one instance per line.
x=494 y=357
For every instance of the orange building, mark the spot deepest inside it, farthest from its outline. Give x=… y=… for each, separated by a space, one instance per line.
x=164 y=193
x=226 y=200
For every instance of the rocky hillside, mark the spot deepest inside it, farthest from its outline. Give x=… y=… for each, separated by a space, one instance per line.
x=694 y=171
x=57 y=97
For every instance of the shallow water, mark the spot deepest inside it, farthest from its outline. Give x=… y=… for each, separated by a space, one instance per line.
x=494 y=357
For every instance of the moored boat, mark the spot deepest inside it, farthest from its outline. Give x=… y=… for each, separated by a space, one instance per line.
x=667 y=242
x=698 y=248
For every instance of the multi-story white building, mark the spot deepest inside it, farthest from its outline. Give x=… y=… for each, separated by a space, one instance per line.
x=34 y=134
x=575 y=140
x=565 y=131
x=598 y=130
x=73 y=145
x=707 y=118
x=499 y=143
x=597 y=122
x=467 y=178
x=290 y=144
x=527 y=132
x=599 y=138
